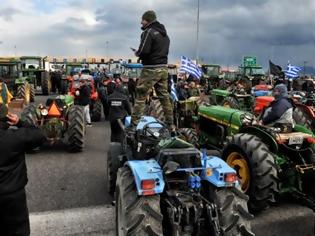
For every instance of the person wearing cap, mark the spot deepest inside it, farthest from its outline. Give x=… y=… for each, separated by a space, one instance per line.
x=280 y=111
x=153 y=53
x=14 y=217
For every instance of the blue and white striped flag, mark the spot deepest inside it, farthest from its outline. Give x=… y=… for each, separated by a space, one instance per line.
x=191 y=68
x=173 y=91
x=292 y=71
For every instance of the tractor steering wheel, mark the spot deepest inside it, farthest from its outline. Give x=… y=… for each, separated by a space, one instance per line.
x=147 y=129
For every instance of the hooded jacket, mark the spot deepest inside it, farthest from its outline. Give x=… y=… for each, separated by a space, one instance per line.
x=154 y=45
x=119 y=105
x=13 y=144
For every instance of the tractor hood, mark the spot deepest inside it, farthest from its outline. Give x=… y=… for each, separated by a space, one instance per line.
x=220 y=92
x=223 y=115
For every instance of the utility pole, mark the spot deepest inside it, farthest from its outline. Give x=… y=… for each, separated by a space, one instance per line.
x=197 y=39
x=304 y=67
x=106 y=49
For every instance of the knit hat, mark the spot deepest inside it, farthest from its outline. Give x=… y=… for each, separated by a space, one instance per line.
x=149 y=16
x=3 y=111
x=282 y=88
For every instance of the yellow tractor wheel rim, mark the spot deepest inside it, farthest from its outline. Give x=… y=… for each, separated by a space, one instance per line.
x=239 y=163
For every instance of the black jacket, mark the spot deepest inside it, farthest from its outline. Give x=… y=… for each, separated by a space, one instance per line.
x=278 y=108
x=13 y=144
x=154 y=45
x=119 y=106
x=84 y=97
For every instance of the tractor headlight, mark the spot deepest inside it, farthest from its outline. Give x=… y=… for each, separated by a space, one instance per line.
x=44 y=112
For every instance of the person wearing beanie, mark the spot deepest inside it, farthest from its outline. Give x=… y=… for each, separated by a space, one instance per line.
x=13 y=175
x=280 y=111
x=153 y=53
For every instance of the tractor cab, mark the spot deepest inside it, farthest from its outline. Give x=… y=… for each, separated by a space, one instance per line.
x=10 y=69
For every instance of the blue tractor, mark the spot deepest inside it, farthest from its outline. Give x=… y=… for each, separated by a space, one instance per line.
x=165 y=186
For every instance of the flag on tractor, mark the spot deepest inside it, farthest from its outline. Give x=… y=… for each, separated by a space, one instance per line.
x=292 y=71
x=188 y=66
x=173 y=91
x=275 y=69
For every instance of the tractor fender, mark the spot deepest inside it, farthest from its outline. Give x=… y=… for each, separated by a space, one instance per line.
x=263 y=135
x=214 y=171
x=147 y=170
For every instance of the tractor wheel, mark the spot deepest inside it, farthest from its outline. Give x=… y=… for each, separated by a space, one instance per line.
x=24 y=92
x=256 y=169
x=76 y=128
x=46 y=83
x=230 y=102
x=301 y=118
x=32 y=93
x=155 y=109
x=234 y=217
x=96 y=110
x=64 y=86
x=189 y=135
x=29 y=116
x=112 y=166
x=136 y=215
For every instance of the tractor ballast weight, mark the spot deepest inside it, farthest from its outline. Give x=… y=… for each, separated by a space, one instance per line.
x=172 y=188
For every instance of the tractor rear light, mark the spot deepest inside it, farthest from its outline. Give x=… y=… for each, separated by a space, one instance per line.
x=310 y=140
x=230 y=177
x=148 y=184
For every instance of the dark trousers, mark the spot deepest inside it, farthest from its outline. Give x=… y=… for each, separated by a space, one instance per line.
x=117 y=133
x=14 y=219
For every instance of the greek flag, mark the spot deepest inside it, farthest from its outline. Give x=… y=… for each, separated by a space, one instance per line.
x=173 y=91
x=191 y=68
x=292 y=71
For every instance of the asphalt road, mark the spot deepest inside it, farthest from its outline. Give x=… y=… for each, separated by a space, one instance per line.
x=61 y=180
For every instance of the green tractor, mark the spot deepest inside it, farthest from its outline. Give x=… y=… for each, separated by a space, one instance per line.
x=33 y=67
x=233 y=98
x=59 y=119
x=251 y=70
x=19 y=86
x=211 y=73
x=270 y=163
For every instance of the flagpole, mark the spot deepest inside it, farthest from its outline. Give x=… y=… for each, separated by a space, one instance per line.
x=197 y=39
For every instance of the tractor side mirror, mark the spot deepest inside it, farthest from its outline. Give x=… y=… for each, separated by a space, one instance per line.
x=170 y=167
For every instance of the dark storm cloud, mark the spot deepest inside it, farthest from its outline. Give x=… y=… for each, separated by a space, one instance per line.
x=8 y=13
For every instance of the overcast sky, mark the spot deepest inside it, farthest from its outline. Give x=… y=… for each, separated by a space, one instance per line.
x=280 y=30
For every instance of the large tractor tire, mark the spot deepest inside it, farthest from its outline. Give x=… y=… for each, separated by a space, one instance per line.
x=230 y=102
x=112 y=166
x=156 y=110
x=96 y=110
x=256 y=169
x=45 y=83
x=32 y=93
x=189 y=135
x=136 y=215
x=29 y=116
x=301 y=118
x=76 y=128
x=24 y=92
x=64 y=86
x=234 y=217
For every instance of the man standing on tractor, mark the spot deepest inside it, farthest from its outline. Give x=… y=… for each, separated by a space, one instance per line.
x=280 y=111
x=153 y=53
x=119 y=108
x=14 y=218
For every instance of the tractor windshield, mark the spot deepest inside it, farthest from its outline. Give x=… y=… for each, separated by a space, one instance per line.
x=8 y=71
x=211 y=70
x=31 y=63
